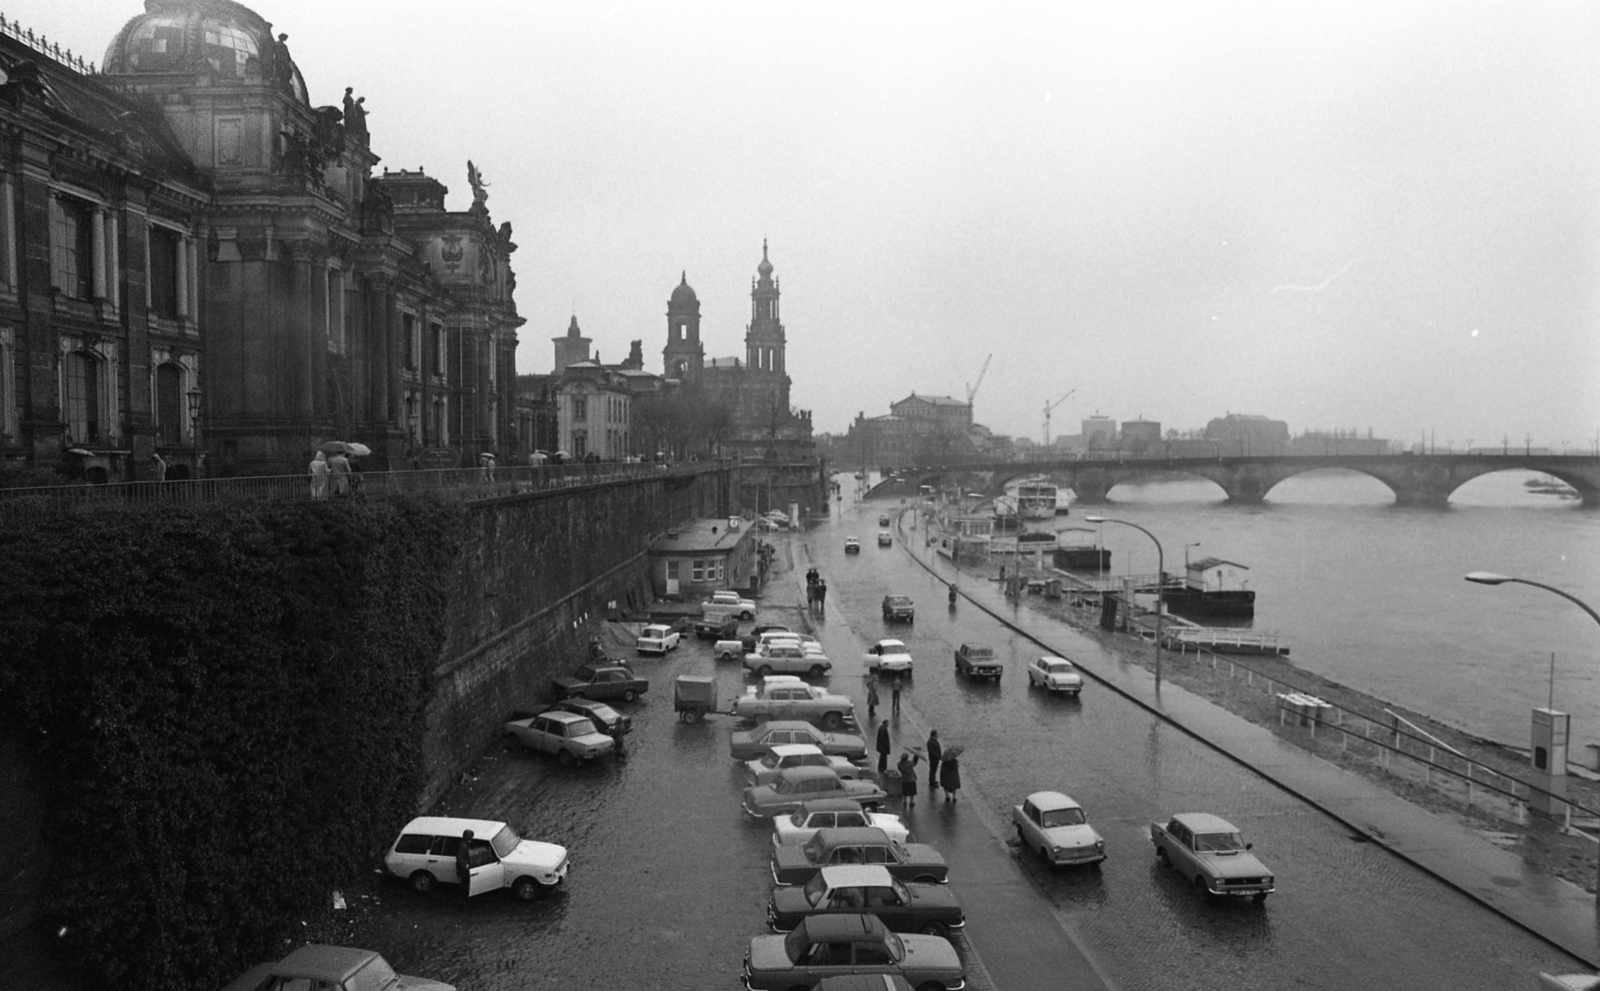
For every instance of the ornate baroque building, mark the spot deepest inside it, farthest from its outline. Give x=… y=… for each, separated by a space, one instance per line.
x=196 y=260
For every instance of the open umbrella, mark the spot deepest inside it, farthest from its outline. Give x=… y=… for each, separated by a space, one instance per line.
x=358 y=449
x=79 y=450
x=951 y=753
x=334 y=447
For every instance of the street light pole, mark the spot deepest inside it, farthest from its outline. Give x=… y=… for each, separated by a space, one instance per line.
x=1490 y=578
x=1161 y=577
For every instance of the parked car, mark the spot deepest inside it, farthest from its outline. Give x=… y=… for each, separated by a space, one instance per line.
x=889 y=657
x=748 y=744
x=858 y=845
x=571 y=737
x=729 y=602
x=1054 y=825
x=792 y=700
x=425 y=854
x=864 y=982
x=764 y=769
x=827 y=946
x=905 y=907
x=830 y=813
x=976 y=660
x=716 y=629
x=899 y=607
x=753 y=638
x=606 y=719
x=852 y=545
x=806 y=784
x=780 y=657
x=657 y=638
x=1054 y=674
x=1209 y=852
x=331 y=968
x=601 y=681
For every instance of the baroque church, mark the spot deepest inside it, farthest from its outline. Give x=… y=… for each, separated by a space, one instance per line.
x=198 y=263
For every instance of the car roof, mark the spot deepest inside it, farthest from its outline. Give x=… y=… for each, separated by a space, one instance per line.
x=789 y=724
x=588 y=705
x=1205 y=822
x=844 y=928
x=847 y=835
x=813 y=771
x=452 y=826
x=1049 y=801
x=319 y=962
x=895 y=643
x=782 y=679
x=561 y=716
x=830 y=805
x=1052 y=658
x=856 y=875
x=790 y=749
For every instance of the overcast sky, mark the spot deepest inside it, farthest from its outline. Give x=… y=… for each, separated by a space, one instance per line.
x=1344 y=216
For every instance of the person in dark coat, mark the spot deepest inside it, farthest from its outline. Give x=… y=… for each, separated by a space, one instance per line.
x=464 y=863
x=883 y=746
x=908 y=777
x=872 y=697
x=935 y=751
x=950 y=778
x=894 y=695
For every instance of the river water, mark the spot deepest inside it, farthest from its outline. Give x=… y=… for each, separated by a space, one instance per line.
x=1371 y=594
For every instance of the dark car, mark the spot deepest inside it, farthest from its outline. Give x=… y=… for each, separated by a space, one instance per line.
x=716 y=629
x=601 y=681
x=750 y=744
x=869 y=888
x=975 y=660
x=752 y=639
x=899 y=607
x=608 y=720
x=858 y=845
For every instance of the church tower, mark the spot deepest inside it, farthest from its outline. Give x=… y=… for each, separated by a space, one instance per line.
x=763 y=339
x=572 y=348
x=684 y=356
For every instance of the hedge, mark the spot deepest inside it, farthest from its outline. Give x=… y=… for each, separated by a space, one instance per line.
x=223 y=706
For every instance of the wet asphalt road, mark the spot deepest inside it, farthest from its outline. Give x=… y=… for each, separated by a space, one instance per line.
x=670 y=879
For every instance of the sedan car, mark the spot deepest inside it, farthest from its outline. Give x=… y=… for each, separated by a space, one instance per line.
x=657 y=638
x=842 y=945
x=1054 y=825
x=608 y=720
x=805 y=784
x=601 y=681
x=571 y=737
x=885 y=538
x=750 y=744
x=1209 y=852
x=1054 y=674
x=830 y=813
x=852 y=545
x=765 y=769
x=870 y=888
x=889 y=657
x=334 y=968
x=859 y=845
x=883 y=520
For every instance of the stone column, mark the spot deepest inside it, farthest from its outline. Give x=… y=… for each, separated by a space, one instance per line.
x=394 y=359
x=8 y=229
x=114 y=262
x=300 y=331
x=97 y=238
x=192 y=260
x=181 y=264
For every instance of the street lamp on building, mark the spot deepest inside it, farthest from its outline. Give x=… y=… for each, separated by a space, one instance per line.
x=1490 y=578
x=194 y=417
x=1161 y=577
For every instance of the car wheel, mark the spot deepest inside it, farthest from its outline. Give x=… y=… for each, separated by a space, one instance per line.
x=816 y=671
x=1260 y=896
x=747 y=615
x=1200 y=885
x=691 y=715
x=764 y=670
x=423 y=881
x=526 y=889
x=629 y=695
x=1021 y=840
x=833 y=720
x=566 y=758
x=938 y=929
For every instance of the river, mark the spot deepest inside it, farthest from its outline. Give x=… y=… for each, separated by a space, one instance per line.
x=1371 y=594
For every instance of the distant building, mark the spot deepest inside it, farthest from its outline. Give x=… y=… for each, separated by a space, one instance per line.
x=1140 y=436
x=1314 y=442
x=1242 y=435
x=1099 y=433
x=920 y=430
x=594 y=412
x=572 y=348
x=702 y=556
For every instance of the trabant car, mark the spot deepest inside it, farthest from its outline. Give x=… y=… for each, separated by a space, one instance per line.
x=904 y=907
x=571 y=737
x=852 y=545
x=889 y=657
x=829 y=813
x=859 y=845
x=601 y=681
x=331 y=968
x=749 y=744
x=764 y=769
x=425 y=854
x=657 y=638
x=1054 y=674
x=805 y=784
x=1054 y=825
x=787 y=657
x=1209 y=852
x=829 y=946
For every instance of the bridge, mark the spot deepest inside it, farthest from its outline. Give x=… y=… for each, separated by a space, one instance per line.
x=1415 y=479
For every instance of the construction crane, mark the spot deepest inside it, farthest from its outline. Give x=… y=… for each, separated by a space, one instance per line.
x=972 y=390
x=1050 y=406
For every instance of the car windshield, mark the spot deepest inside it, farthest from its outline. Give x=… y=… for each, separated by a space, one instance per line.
x=1218 y=842
x=505 y=841
x=815 y=889
x=374 y=975
x=783 y=786
x=1062 y=817
x=814 y=849
x=897 y=949
x=1058 y=667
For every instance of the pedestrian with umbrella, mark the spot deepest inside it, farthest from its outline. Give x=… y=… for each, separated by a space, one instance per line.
x=319 y=476
x=950 y=773
x=883 y=747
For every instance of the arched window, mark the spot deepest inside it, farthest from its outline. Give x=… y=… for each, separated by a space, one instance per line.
x=169 y=403
x=83 y=403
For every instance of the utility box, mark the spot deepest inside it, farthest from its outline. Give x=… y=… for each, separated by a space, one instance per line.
x=1550 y=735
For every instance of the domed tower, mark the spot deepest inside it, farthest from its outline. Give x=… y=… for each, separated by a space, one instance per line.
x=763 y=339
x=684 y=356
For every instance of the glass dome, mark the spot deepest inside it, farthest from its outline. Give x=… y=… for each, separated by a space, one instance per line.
x=226 y=38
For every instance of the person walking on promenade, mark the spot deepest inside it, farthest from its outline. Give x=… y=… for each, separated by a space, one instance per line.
x=822 y=596
x=883 y=746
x=159 y=468
x=872 y=696
x=319 y=476
x=935 y=752
x=894 y=695
x=950 y=776
x=464 y=864
x=908 y=778
x=339 y=473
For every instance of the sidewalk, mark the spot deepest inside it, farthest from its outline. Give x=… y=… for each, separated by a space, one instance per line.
x=1561 y=913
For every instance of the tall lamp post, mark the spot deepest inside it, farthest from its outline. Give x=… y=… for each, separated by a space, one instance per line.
x=1161 y=576
x=1490 y=578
